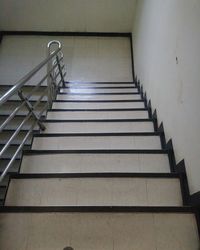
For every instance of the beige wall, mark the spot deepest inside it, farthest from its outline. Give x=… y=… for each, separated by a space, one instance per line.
x=86 y=58
x=67 y=15
x=166 y=41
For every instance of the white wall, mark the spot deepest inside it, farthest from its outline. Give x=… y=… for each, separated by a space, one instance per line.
x=164 y=31
x=86 y=58
x=67 y=15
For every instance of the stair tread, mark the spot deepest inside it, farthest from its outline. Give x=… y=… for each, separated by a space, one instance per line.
x=97 y=105
x=94 y=191
x=99 y=127
x=115 y=226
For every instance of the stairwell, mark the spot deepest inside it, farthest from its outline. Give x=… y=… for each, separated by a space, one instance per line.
x=100 y=176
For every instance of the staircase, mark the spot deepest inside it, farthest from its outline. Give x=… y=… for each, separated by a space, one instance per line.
x=100 y=176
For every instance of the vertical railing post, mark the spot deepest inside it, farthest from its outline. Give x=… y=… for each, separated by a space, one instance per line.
x=50 y=78
x=60 y=71
x=49 y=81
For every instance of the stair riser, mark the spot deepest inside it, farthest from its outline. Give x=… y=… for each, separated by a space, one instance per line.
x=93 y=142
x=95 y=163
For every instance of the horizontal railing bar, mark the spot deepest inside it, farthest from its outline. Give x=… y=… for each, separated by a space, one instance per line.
x=11 y=116
x=21 y=145
x=15 y=134
x=58 y=72
x=20 y=126
x=42 y=111
x=40 y=82
x=59 y=82
x=23 y=80
x=17 y=151
x=39 y=100
x=55 y=64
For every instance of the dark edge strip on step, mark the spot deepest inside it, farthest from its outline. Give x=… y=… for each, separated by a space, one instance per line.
x=31 y=101
x=96 y=209
x=77 y=82
x=109 y=151
x=90 y=87
x=197 y=215
x=7 y=187
x=162 y=135
x=94 y=175
x=181 y=169
x=132 y=56
x=98 y=101
x=195 y=199
x=149 y=108
x=98 y=120
x=63 y=33
x=172 y=160
x=97 y=110
x=94 y=94
x=96 y=134
x=17 y=115
x=154 y=117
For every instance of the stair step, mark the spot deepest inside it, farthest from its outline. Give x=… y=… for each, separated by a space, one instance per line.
x=97 y=105
x=96 y=141
x=91 y=115
x=5 y=136
x=94 y=90
x=5 y=180
x=99 y=97
x=11 y=150
x=16 y=121
x=13 y=168
x=26 y=89
x=98 y=127
x=34 y=97
x=93 y=191
x=9 y=106
x=108 y=231
x=88 y=162
x=99 y=84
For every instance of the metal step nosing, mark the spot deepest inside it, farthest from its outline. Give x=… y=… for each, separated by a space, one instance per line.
x=97 y=110
x=96 y=151
x=97 y=120
x=94 y=94
x=97 y=101
x=106 y=87
x=97 y=134
x=97 y=209
x=94 y=175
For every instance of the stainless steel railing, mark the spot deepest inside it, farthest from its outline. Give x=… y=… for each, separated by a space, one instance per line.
x=54 y=77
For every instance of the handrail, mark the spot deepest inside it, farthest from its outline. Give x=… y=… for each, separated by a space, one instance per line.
x=54 y=76
x=27 y=77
